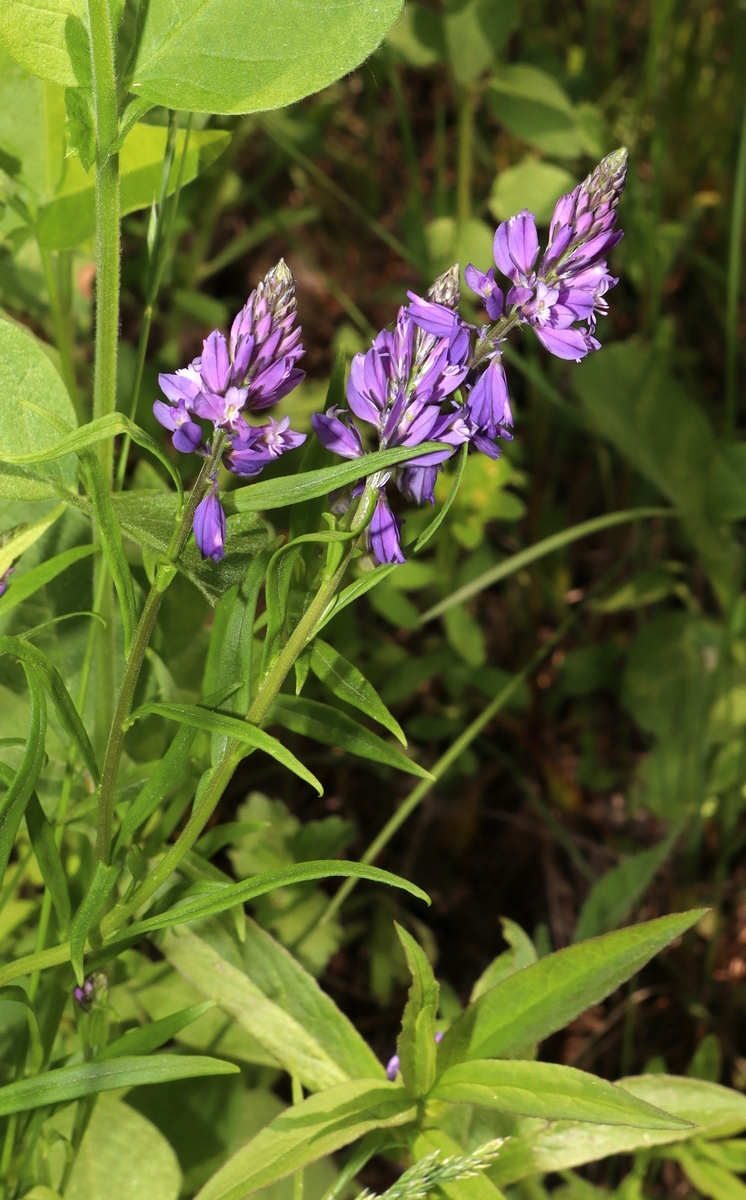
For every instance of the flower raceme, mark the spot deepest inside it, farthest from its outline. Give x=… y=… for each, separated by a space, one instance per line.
x=245 y=373
x=433 y=378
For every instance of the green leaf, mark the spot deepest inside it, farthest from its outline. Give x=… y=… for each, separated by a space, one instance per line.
x=714 y=1112
x=28 y=375
x=66 y=711
x=231 y=727
x=225 y=834
x=549 y=1091
x=33 y=33
x=528 y=1006
x=347 y=683
x=710 y=1178
x=38 y=577
x=533 y=107
x=112 y=546
x=99 y=889
x=269 y=56
x=300 y=1135
x=48 y=858
x=145 y=1039
x=295 y=489
x=442 y=513
x=354 y=591
x=271 y=996
x=333 y=728
x=68 y=218
x=416 y=1045
x=224 y=896
x=15 y=546
x=105 y=1165
x=476 y=1187
x=16 y=995
x=522 y=954
x=611 y=900
x=88 y=1079
x=13 y=804
x=80 y=125
x=157 y=787
x=530 y=184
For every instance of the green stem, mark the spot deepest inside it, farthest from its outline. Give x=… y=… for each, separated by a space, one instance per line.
x=734 y=281
x=444 y=764
x=61 y=331
x=135 y=660
x=465 y=143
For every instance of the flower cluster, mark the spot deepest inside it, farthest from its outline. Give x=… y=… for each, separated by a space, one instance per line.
x=245 y=373
x=432 y=379
x=562 y=297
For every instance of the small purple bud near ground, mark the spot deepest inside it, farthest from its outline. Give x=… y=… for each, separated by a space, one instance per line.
x=392 y=1068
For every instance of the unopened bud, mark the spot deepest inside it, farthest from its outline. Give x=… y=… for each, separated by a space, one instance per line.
x=447 y=288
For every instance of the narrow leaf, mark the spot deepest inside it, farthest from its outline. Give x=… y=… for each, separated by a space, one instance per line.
x=16 y=798
x=146 y=1039
x=528 y=1006
x=48 y=857
x=104 y=878
x=236 y=652
x=219 y=899
x=613 y=897
x=709 y=1178
x=440 y=517
x=416 y=1044
x=157 y=787
x=16 y=995
x=295 y=489
x=555 y=1093
x=88 y=1079
x=26 y=585
x=354 y=591
x=25 y=538
x=64 y=707
x=249 y=735
x=347 y=683
x=225 y=834
x=111 y=543
x=334 y=728
x=306 y=1132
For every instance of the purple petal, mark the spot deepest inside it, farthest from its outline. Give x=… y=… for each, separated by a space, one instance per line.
x=216 y=363
x=209 y=526
x=433 y=318
x=488 y=403
x=418 y=483
x=383 y=534
x=564 y=343
x=392 y=1068
x=184 y=385
x=187 y=437
x=336 y=435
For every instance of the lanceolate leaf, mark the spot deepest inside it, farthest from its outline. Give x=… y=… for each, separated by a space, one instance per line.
x=279 y=493
x=48 y=858
x=13 y=804
x=145 y=1039
x=613 y=897
x=157 y=786
x=249 y=735
x=416 y=1044
x=347 y=683
x=104 y=878
x=222 y=898
x=269 y=55
x=300 y=1135
x=536 y=1089
x=26 y=585
x=88 y=1079
x=354 y=591
x=21 y=541
x=66 y=711
x=542 y=998
x=334 y=728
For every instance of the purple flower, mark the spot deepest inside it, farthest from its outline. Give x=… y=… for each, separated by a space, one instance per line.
x=209 y=525
x=568 y=288
x=403 y=387
x=392 y=1068
x=245 y=373
x=5 y=579
x=485 y=286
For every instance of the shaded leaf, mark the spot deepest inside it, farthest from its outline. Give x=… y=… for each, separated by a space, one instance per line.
x=347 y=683
x=612 y=898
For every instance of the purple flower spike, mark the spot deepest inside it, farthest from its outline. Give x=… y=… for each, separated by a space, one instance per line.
x=488 y=403
x=261 y=443
x=209 y=526
x=392 y=1068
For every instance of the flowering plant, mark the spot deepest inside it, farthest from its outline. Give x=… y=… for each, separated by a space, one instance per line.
x=123 y=859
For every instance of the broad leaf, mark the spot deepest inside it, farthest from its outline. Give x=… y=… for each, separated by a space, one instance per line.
x=611 y=900
x=28 y=375
x=305 y=1132
x=87 y=1079
x=347 y=683
x=416 y=1044
x=478 y=1187
x=106 y=1166
x=269 y=993
x=333 y=728
x=528 y=1006
x=532 y=106
x=269 y=56
x=710 y=1178
x=33 y=33
x=537 y=1089
x=231 y=727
